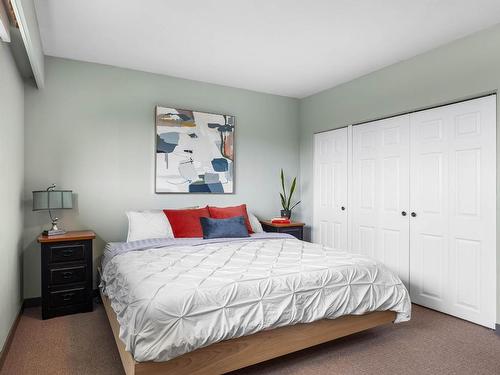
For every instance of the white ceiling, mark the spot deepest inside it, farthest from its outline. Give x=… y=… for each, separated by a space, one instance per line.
x=287 y=47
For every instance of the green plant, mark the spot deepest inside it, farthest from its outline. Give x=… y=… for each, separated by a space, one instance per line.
x=287 y=200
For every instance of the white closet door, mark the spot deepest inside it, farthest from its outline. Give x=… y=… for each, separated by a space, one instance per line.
x=453 y=195
x=380 y=201
x=330 y=188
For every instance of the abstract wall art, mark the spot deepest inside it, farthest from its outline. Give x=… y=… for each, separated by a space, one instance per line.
x=194 y=152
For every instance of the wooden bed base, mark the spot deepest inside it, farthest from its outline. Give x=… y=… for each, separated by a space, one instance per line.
x=244 y=351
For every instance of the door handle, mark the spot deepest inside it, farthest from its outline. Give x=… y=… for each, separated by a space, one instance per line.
x=413 y=214
x=342 y=208
x=403 y=213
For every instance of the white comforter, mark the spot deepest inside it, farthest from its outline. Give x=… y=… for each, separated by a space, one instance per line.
x=173 y=300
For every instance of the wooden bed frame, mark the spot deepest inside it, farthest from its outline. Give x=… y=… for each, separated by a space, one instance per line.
x=244 y=351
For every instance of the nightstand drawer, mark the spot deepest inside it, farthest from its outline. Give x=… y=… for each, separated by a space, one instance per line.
x=67 y=253
x=68 y=297
x=68 y=275
x=296 y=232
x=296 y=229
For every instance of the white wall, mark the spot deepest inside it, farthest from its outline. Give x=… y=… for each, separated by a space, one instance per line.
x=11 y=188
x=91 y=129
x=462 y=69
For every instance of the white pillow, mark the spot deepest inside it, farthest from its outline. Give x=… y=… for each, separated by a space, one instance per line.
x=255 y=223
x=148 y=224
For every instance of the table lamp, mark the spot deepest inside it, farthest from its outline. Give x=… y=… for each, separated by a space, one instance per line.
x=52 y=199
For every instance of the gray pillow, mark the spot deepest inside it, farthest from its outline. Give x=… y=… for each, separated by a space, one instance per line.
x=233 y=227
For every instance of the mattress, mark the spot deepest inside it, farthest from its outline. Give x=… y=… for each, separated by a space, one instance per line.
x=175 y=296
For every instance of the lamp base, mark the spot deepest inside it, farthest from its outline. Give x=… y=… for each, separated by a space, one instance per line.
x=53 y=232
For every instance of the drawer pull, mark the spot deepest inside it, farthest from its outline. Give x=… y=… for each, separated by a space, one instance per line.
x=67 y=253
x=68 y=296
x=68 y=275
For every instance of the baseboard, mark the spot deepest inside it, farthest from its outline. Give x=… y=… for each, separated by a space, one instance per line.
x=497 y=329
x=8 y=340
x=32 y=302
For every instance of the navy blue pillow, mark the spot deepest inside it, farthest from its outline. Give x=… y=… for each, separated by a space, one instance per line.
x=224 y=228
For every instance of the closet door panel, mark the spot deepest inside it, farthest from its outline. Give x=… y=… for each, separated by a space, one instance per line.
x=429 y=188
x=473 y=210
x=453 y=182
x=380 y=178
x=330 y=188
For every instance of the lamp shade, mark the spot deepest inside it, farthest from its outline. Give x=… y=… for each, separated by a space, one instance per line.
x=53 y=199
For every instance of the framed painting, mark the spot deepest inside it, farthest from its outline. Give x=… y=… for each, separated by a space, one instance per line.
x=194 y=152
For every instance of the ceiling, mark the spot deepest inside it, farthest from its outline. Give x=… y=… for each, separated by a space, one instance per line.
x=286 y=47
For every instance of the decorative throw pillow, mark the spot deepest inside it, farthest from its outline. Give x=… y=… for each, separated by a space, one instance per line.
x=227 y=212
x=232 y=227
x=186 y=223
x=148 y=224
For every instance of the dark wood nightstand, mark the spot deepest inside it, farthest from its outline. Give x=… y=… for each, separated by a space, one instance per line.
x=296 y=229
x=66 y=273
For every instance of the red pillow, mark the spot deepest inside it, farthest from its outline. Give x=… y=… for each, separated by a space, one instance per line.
x=186 y=223
x=227 y=212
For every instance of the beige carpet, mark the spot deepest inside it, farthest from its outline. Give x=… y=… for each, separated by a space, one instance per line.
x=432 y=343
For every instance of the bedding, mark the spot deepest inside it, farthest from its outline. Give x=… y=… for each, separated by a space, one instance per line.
x=233 y=211
x=145 y=224
x=186 y=223
x=173 y=296
x=233 y=227
x=148 y=224
x=255 y=223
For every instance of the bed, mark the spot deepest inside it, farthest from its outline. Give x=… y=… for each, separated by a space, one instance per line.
x=198 y=306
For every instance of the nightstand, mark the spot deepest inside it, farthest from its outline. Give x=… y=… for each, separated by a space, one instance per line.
x=66 y=273
x=296 y=229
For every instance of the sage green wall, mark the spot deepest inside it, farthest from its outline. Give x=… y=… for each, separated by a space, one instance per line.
x=462 y=69
x=91 y=129
x=11 y=188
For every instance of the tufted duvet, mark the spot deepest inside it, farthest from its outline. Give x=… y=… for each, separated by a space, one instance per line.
x=177 y=296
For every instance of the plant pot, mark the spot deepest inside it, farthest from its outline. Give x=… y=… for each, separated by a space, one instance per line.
x=286 y=213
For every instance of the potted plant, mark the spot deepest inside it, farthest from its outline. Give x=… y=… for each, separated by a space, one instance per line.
x=286 y=199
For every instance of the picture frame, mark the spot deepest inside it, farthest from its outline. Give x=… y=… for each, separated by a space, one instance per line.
x=194 y=151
